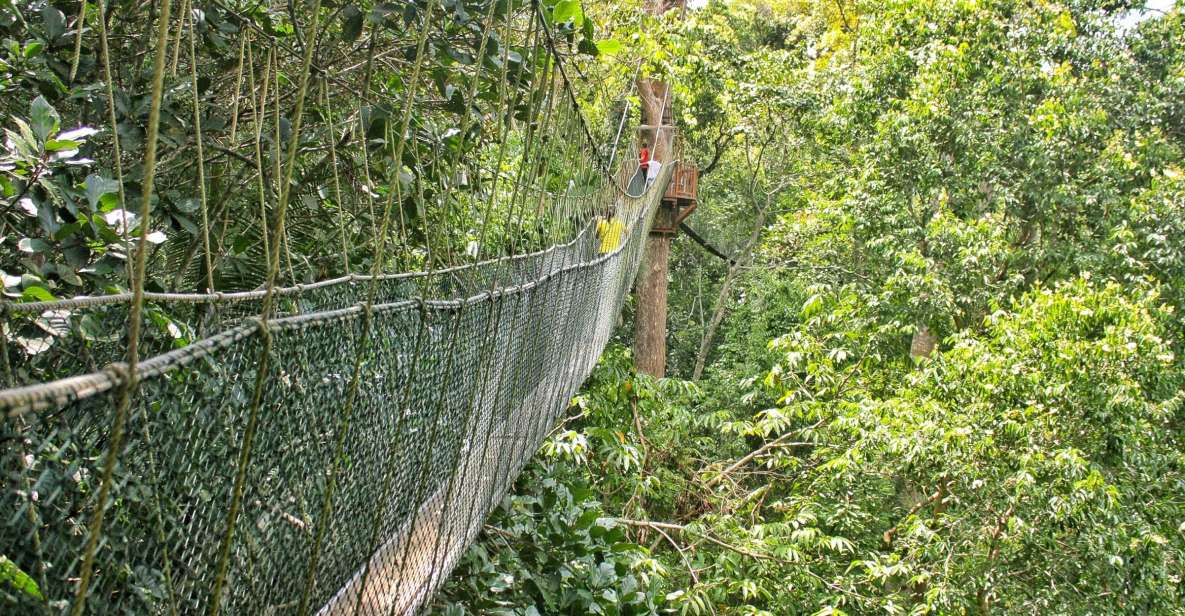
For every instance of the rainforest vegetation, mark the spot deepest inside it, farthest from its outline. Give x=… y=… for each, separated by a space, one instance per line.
x=940 y=369
x=942 y=374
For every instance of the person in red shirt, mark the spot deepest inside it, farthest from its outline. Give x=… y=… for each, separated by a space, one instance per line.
x=638 y=181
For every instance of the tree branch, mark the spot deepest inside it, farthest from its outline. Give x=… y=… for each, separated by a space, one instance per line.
x=658 y=526
x=720 y=146
x=712 y=250
x=778 y=442
x=929 y=500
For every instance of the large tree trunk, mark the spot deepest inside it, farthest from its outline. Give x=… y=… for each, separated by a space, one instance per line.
x=650 y=322
x=654 y=96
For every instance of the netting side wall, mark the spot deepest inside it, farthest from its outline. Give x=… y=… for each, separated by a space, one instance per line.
x=305 y=502
x=89 y=333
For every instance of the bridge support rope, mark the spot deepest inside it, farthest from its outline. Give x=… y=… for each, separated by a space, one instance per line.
x=457 y=395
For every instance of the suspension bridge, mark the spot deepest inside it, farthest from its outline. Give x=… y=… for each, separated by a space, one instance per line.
x=329 y=447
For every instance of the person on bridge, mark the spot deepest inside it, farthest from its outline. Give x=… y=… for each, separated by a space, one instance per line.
x=638 y=180
x=610 y=230
x=652 y=172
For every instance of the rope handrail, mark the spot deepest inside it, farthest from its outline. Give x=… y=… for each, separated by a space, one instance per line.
x=13 y=307
x=19 y=400
x=36 y=307
x=479 y=433
x=232 y=296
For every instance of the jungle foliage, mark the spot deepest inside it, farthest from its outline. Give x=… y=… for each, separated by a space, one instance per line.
x=1002 y=178
x=75 y=96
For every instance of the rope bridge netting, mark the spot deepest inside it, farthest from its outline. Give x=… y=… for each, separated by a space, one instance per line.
x=325 y=438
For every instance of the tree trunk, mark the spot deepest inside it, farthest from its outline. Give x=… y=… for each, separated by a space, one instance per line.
x=650 y=322
x=701 y=357
x=924 y=342
x=654 y=96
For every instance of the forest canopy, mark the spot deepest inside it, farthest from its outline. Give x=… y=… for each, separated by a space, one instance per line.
x=941 y=373
x=939 y=369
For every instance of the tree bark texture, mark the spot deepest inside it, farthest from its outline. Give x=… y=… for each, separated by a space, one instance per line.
x=923 y=343
x=655 y=104
x=650 y=322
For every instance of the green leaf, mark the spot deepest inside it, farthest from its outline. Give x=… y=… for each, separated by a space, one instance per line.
x=58 y=145
x=47 y=216
x=32 y=245
x=97 y=187
x=33 y=49
x=44 y=118
x=69 y=276
x=77 y=256
x=456 y=102
x=190 y=204
x=460 y=55
x=37 y=294
x=188 y=224
x=567 y=10
x=812 y=306
x=609 y=46
x=92 y=328
x=589 y=48
x=55 y=22
x=587 y=519
x=383 y=9
x=14 y=577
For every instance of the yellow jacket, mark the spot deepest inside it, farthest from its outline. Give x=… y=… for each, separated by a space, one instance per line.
x=610 y=231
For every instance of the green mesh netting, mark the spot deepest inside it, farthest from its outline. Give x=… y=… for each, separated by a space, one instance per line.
x=456 y=395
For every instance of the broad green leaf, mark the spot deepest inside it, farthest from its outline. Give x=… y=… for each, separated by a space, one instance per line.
x=60 y=145
x=609 y=46
x=37 y=294
x=33 y=245
x=567 y=10
x=93 y=328
x=12 y=576
x=55 y=22
x=97 y=186
x=44 y=119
